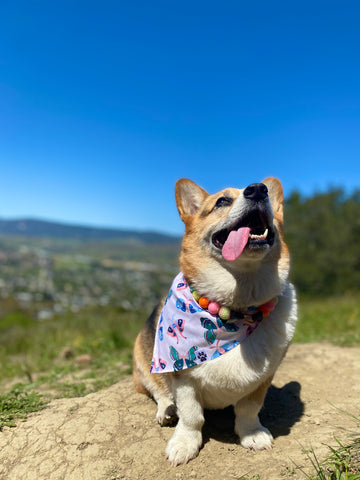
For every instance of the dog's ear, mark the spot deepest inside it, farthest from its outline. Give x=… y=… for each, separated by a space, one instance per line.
x=275 y=194
x=189 y=197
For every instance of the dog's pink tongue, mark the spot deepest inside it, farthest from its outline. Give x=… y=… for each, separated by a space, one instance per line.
x=235 y=243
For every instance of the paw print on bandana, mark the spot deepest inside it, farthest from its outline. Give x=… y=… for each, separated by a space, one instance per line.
x=201 y=356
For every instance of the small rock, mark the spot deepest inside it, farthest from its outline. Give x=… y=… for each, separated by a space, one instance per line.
x=84 y=359
x=66 y=353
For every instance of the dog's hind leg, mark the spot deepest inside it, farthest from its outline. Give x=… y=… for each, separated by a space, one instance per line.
x=154 y=385
x=252 y=434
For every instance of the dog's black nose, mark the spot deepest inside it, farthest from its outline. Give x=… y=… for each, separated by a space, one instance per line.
x=256 y=192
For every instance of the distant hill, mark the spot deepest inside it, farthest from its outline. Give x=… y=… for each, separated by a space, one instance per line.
x=46 y=229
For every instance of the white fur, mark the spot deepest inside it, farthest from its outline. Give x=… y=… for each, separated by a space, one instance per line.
x=228 y=379
x=232 y=289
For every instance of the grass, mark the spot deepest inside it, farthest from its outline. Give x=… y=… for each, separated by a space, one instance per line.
x=343 y=462
x=46 y=355
x=41 y=360
x=333 y=319
x=16 y=404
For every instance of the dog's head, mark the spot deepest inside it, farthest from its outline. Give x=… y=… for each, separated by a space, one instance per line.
x=234 y=230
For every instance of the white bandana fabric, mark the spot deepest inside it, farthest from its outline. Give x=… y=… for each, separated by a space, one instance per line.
x=187 y=335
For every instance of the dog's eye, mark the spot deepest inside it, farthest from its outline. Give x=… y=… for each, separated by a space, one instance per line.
x=223 y=202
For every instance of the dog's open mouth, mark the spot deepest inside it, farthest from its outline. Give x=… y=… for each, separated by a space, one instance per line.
x=252 y=231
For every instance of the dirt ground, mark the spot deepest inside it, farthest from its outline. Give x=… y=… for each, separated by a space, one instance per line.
x=113 y=434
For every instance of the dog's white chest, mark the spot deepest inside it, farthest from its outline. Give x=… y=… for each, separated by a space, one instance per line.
x=225 y=380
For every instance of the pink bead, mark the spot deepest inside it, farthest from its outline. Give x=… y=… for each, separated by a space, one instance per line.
x=213 y=308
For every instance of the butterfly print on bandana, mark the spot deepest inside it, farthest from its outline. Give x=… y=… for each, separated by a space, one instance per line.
x=220 y=350
x=159 y=367
x=250 y=329
x=251 y=325
x=161 y=328
x=176 y=328
x=183 y=285
x=212 y=328
x=168 y=296
x=186 y=303
x=181 y=360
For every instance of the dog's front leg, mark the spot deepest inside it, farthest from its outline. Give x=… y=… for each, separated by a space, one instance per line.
x=252 y=434
x=186 y=441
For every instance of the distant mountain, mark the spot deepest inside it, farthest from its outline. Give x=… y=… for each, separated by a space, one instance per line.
x=46 y=229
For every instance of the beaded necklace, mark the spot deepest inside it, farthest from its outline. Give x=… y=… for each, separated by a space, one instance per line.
x=256 y=313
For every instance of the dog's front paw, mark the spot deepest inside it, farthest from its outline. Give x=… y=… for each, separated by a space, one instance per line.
x=182 y=447
x=259 y=439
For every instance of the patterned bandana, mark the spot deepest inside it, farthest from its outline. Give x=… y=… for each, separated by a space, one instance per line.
x=187 y=335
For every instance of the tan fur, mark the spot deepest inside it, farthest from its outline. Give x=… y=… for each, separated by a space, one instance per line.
x=142 y=355
x=140 y=360
x=242 y=376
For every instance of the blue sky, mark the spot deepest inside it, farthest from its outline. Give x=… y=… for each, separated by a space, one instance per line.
x=104 y=105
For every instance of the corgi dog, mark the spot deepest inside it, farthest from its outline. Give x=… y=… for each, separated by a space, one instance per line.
x=222 y=331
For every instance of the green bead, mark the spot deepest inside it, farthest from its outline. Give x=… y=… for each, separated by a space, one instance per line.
x=195 y=295
x=224 y=313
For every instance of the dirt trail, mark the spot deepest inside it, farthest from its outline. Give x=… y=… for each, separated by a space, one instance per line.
x=112 y=434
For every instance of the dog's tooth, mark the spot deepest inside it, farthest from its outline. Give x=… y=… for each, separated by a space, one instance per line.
x=261 y=237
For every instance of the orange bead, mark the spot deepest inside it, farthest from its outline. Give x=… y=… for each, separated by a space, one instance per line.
x=270 y=305
x=204 y=302
x=264 y=310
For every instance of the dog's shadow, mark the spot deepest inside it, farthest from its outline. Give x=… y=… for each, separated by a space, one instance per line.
x=282 y=409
